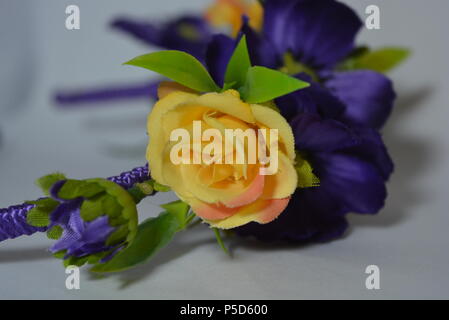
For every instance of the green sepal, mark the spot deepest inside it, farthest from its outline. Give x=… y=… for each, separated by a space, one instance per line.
x=123 y=199
x=55 y=232
x=160 y=188
x=91 y=209
x=152 y=235
x=60 y=254
x=381 y=60
x=118 y=235
x=73 y=189
x=46 y=182
x=46 y=204
x=179 y=66
x=306 y=177
x=76 y=261
x=38 y=217
x=238 y=65
x=110 y=206
x=179 y=209
x=263 y=84
x=228 y=86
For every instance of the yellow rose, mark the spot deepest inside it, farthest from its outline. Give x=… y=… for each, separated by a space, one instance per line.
x=228 y=13
x=226 y=195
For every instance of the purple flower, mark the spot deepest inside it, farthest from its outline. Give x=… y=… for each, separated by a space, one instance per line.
x=188 y=33
x=334 y=120
x=352 y=164
x=78 y=238
x=312 y=37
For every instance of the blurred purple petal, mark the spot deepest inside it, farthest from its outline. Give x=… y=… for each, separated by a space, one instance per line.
x=318 y=32
x=218 y=54
x=373 y=149
x=260 y=48
x=357 y=184
x=368 y=96
x=188 y=33
x=312 y=215
x=314 y=99
x=314 y=134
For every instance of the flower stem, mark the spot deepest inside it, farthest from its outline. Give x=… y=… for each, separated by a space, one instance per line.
x=220 y=241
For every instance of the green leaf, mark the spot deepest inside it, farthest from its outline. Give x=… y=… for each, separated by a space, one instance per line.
x=263 y=84
x=239 y=64
x=60 y=254
x=306 y=177
x=75 y=261
x=382 y=60
x=55 y=232
x=152 y=235
x=110 y=206
x=91 y=209
x=178 y=66
x=228 y=86
x=179 y=209
x=73 y=189
x=118 y=235
x=45 y=204
x=46 y=182
x=161 y=188
x=37 y=217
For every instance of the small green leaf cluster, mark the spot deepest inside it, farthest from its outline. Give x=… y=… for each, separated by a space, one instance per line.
x=100 y=197
x=152 y=235
x=256 y=84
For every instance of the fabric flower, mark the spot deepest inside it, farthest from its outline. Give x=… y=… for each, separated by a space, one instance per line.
x=312 y=37
x=91 y=220
x=226 y=195
x=334 y=120
x=352 y=164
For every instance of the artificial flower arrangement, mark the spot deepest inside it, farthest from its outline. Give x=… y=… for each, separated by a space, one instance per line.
x=289 y=76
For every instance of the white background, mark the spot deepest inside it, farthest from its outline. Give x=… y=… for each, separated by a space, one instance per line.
x=408 y=240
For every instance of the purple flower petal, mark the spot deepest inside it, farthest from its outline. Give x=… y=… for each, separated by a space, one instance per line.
x=314 y=99
x=314 y=134
x=260 y=48
x=372 y=149
x=311 y=216
x=318 y=32
x=218 y=54
x=357 y=184
x=188 y=33
x=97 y=230
x=64 y=212
x=368 y=96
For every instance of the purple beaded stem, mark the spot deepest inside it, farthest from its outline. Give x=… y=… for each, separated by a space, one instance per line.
x=13 y=220
x=127 y=179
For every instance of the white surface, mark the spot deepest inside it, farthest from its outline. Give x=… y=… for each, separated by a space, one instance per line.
x=408 y=240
